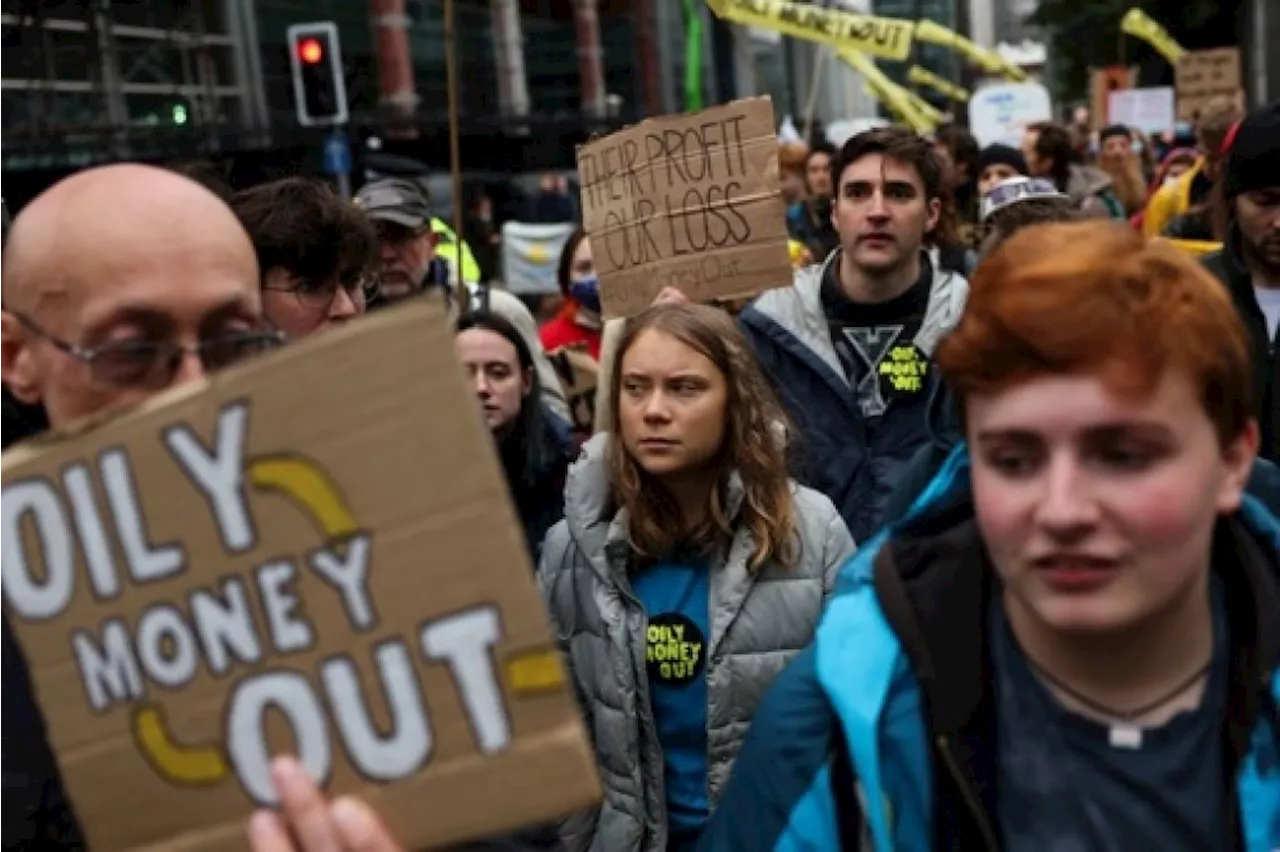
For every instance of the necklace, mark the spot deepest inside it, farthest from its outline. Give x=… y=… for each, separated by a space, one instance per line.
x=1124 y=731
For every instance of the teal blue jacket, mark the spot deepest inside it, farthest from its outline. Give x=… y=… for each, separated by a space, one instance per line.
x=880 y=735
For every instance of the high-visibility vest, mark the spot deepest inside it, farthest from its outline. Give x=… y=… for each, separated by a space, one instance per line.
x=449 y=246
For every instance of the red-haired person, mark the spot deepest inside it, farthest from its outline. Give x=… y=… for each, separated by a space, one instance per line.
x=578 y=323
x=1076 y=631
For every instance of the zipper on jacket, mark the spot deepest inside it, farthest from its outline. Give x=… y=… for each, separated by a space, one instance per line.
x=646 y=704
x=966 y=791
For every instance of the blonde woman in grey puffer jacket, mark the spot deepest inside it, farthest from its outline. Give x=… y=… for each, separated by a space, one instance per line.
x=688 y=571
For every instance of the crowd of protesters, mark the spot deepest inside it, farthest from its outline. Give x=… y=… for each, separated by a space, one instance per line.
x=969 y=537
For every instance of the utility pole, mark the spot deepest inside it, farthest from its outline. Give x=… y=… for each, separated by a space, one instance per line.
x=399 y=98
x=586 y=22
x=650 y=62
x=109 y=75
x=1264 y=60
x=508 y=55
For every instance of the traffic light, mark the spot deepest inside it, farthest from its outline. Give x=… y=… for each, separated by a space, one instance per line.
x=319 y=89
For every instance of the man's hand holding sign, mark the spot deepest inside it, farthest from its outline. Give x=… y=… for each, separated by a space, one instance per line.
x=299 y=559
x=308 y=823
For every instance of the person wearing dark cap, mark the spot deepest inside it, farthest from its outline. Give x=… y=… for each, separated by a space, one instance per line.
x=1249 y=263
x=410 y=263
x=998 y=163
x=418 y=250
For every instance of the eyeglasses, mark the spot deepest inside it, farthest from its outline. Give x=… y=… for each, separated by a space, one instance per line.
x=1014 y=190
x=319 y=295
x=154 y=363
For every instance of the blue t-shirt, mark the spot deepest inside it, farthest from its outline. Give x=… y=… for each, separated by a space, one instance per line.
x=676 y=597
x=1063 y=787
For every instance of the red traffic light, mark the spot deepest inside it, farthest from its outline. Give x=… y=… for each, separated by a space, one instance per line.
x=310 y=51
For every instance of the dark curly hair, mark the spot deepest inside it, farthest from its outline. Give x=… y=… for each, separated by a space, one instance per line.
x=302 y=226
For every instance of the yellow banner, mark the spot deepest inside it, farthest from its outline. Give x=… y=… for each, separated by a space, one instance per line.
x=888 y=38
x=902 y=111
x=988 y=60
x=1139 y=25
x=916 y=113
x=885 y=38
x=925 y=77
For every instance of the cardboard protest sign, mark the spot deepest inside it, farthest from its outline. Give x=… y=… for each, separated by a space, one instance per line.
x=687 y=201
x=313 y=554
x=1201 y=75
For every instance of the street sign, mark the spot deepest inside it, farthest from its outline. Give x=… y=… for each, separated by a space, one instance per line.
x=337 y=154
x=337 y=159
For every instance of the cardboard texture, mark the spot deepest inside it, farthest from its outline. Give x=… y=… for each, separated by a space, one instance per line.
x=688 y=201
x=1201 y=75
x=313 y=553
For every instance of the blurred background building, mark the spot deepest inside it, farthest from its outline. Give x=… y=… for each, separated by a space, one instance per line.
x=98 y=80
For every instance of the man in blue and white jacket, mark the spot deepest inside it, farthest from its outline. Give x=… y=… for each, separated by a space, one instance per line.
x=849 y=348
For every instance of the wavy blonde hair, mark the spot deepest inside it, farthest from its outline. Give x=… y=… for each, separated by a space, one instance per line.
x=754 y=446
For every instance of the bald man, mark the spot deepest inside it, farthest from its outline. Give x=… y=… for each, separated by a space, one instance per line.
x=118 y=282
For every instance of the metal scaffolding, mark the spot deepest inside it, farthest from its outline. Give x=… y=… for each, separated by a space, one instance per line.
x=97 y=79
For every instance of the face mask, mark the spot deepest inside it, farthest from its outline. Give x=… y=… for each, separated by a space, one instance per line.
x=1136 y=147
x=586 y=292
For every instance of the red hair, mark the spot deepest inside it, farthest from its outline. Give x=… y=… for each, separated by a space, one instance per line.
x=1095 y=296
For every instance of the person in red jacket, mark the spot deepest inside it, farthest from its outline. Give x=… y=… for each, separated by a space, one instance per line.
x=579 y=322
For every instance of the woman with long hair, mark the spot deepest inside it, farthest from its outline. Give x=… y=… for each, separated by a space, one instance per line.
x=533 y=444
x=688 y=570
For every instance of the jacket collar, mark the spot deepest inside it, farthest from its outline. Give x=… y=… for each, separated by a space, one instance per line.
x=1238 y=277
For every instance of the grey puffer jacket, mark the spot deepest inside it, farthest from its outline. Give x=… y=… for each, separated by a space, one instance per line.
x=758 y=623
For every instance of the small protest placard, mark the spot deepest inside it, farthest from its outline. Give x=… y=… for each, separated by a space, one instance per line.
x=1150 y=110
x=1201 y=75
x=312 y=554
x=688 y=201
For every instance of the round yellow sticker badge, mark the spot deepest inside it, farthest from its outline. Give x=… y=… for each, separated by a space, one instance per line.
x=676 y=650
